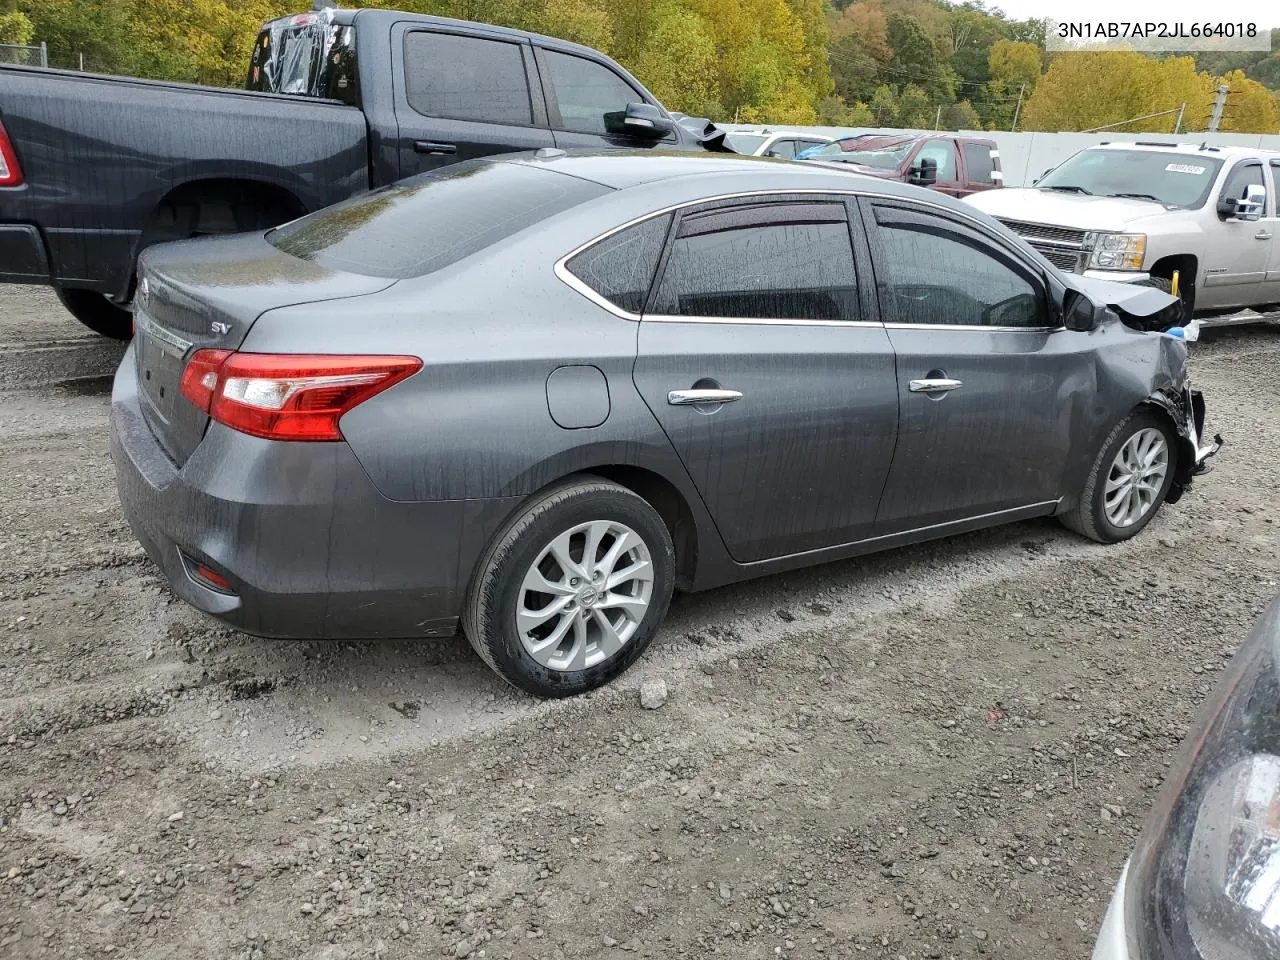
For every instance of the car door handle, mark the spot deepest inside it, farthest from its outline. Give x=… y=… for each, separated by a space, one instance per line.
x=935 y=385
x=1262 y=235
x=431 y=146
x=680 y=398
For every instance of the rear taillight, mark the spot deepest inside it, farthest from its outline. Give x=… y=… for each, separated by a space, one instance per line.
x=287 y=396
x=10 y=172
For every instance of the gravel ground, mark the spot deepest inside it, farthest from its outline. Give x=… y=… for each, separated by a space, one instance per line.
x=943 y=751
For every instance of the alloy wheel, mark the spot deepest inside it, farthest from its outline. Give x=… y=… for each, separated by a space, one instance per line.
x=1136 y=478
x=585 y=595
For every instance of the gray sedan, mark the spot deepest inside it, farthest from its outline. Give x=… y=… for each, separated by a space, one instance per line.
x=533 y=395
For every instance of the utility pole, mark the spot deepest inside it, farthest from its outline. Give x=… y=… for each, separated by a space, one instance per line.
x=1018 y=109
x=937 y=119
x=1177 y=127
x=1219 y=102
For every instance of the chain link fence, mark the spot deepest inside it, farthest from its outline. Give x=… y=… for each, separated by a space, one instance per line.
x=24 y=56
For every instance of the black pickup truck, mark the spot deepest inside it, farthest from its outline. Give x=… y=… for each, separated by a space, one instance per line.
x=93 y=169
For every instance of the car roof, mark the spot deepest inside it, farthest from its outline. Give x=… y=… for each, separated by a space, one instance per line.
x=1200 y=149
x=623 y=169
x=778 y=132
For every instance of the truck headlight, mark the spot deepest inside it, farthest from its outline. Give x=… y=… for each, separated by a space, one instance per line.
x=1116 y=251
x=1204 y=880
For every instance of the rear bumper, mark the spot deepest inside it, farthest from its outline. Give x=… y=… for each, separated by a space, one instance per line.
x=23 y=258
x=309 y=546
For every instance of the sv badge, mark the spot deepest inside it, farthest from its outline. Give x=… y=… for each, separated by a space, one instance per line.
x=220 y=328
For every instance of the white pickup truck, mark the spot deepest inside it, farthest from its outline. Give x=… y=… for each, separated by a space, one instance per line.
x=1201 y=220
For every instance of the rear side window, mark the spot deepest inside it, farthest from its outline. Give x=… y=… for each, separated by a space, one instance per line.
x=586 y=91
x=783 y=261
x=978 y=162
x=428 y=222
x=466 y=78
x=620 y=268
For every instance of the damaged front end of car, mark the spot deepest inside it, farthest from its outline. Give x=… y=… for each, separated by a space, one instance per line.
x=1150 y=368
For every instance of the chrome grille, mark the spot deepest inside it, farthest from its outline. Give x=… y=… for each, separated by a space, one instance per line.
x=1062 y=246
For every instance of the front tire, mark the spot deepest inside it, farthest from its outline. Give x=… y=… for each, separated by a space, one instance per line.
x=96 y=312
x=572 y=590
x=1128 y=481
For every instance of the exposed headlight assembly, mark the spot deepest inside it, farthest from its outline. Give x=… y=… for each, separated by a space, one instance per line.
x=1204 y=880
x=1116 y=251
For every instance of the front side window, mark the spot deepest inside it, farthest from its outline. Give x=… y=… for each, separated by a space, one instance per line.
x=1241 y=179
x=931 y=275
x=943 y=152
x=783 y=261
x=785 y=149
x=466 y=78
x=620 y=268
x=586 y=91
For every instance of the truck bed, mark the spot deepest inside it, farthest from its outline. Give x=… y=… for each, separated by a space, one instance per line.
x=99 y=154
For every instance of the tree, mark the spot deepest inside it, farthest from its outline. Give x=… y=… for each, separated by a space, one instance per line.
x=960 y=116
x=915 y=58
x=1251 y=107
x=884 y=106
x=1015 y=69
x=1081 y=91
x=835 y=112
x=14 y=25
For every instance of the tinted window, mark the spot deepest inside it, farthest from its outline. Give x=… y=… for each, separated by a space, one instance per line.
x=586 y=91
x=427 y=222
x=944 y=152
x=1241 y=178
x=776 y=261
x=978 y=162
x=466 y=78
x=620 y=268
x=933 y=276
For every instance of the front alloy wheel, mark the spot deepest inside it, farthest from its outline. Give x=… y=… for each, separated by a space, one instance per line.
x=1136 y=478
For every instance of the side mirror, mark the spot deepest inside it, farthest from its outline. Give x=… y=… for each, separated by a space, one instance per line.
x=641 y=120
x=925 y=174
x=1079 y=312
x=1250 y=208
x=1042 y=176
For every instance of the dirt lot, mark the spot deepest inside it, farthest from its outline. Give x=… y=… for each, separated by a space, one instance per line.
x=939 y=752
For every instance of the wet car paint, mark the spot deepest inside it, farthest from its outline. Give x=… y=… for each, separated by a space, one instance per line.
x=430 y=469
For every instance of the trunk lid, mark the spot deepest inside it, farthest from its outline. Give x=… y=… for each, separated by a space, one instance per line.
x=209 y=293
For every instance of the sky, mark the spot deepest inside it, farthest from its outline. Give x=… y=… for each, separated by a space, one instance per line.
x=1262 y=12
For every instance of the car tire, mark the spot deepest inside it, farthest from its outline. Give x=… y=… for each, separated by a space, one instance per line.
x=570 y=651
x=99 y=314
x=1101 y=514
x=1186 y=294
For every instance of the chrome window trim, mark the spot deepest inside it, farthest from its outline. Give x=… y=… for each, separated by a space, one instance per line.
x=566 y=276
x=145 y=324
x=759 y=321
x=969 y=327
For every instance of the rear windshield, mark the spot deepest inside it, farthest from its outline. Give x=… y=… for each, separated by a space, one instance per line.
x=307 y=55
x=427 y=222
x=747 y=143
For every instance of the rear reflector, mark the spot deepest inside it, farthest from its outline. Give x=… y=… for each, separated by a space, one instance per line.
x=288 y=396
x=212 y=578
x=10 y=172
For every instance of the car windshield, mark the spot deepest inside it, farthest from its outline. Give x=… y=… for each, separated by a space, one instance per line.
x=430 y=221
x=1173 y=179
x=883 y=156
x=747 y=143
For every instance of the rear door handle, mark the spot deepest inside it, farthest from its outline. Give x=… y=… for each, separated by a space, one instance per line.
x=431 y=146
x=935 y=385
x=680 y=398
x=1262 y=235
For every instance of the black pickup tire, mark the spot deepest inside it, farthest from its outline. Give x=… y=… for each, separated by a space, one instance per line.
x=99 y=314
